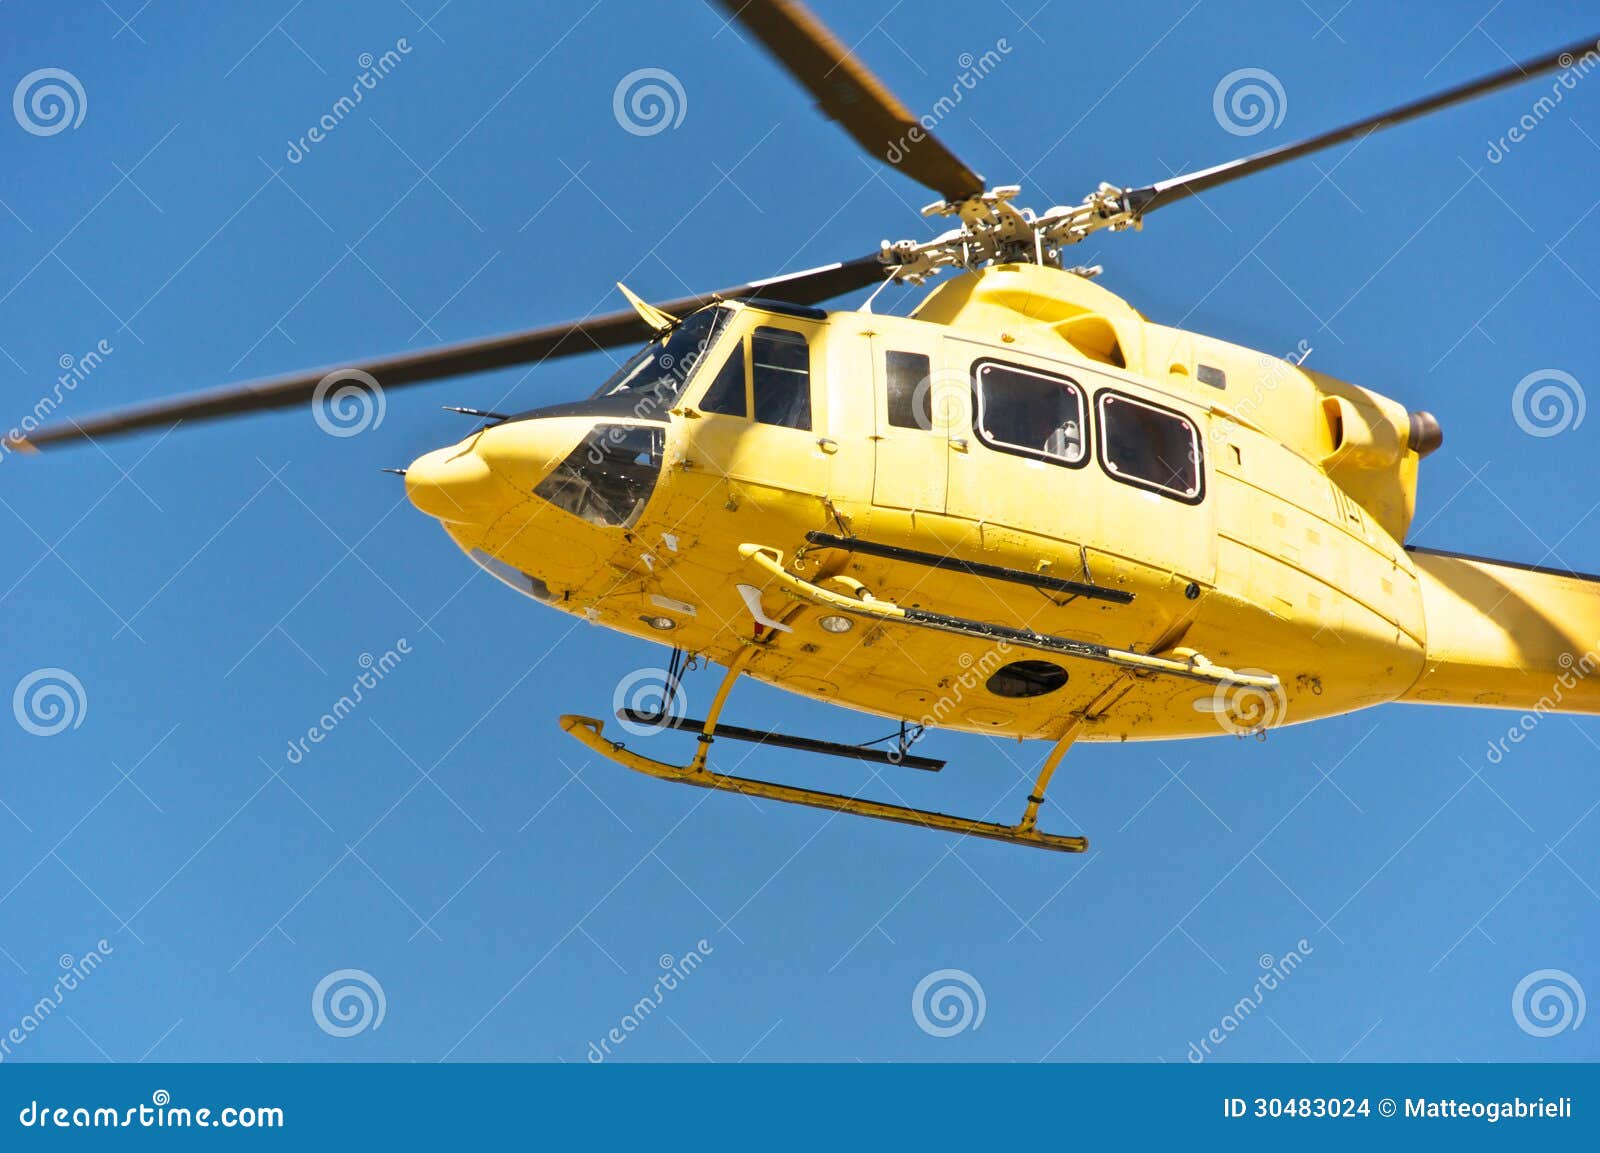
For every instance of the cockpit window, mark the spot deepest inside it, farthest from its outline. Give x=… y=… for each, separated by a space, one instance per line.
x=725 y=394
x=657 y=373
x=1031 y=413
x=780 y=363
x=607 y=480
x=909 y=376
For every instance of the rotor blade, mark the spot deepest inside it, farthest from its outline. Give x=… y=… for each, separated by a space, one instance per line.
x=848 y=92
x=1144 y=200
x=534 y=344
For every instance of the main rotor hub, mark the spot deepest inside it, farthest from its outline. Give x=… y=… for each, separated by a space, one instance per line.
x=993 y=230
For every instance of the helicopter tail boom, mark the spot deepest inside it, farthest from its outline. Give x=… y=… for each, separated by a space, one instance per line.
x=1506 y=635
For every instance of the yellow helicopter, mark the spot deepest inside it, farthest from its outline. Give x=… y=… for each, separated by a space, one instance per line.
x=1022 y=510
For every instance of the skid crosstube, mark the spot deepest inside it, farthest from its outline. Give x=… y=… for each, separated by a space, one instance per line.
x=897 y=757
x=591 y=732
x=1025 y=832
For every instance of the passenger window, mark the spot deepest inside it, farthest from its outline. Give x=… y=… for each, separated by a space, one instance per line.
x=726 y=393
x=781 y=367
x=909 y=377
x=1150 y=447
x=1027 y=412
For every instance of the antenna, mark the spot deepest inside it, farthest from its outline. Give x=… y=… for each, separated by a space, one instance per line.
x=866 y=305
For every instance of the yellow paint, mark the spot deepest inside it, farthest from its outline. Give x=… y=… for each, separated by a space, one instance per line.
x=1507 y=637
x=657 y=320
x=1290 y=565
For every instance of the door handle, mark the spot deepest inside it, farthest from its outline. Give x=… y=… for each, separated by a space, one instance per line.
x=827 y=444
x=959 y=443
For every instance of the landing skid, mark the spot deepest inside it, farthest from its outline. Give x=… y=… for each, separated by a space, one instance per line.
x=1025 y=832
x=1182 y=664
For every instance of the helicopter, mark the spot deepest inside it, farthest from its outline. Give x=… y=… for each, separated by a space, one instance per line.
x=1023 y=509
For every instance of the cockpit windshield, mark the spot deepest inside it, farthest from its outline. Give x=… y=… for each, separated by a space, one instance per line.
x=657 y=373
x=607 y=480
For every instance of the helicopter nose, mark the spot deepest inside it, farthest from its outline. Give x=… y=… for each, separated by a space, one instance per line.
x=522 y=452
x=454 y=484
x=477 y=480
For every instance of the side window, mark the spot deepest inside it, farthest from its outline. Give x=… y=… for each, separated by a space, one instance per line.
x=780 y=363
x=1030 y=413
x=908 y=375
x=726 y=392
x=1150 y=447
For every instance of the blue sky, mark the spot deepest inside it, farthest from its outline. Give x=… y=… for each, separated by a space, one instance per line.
x=214 y=592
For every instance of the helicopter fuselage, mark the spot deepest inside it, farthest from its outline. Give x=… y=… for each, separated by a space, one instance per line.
x=1126 y=484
